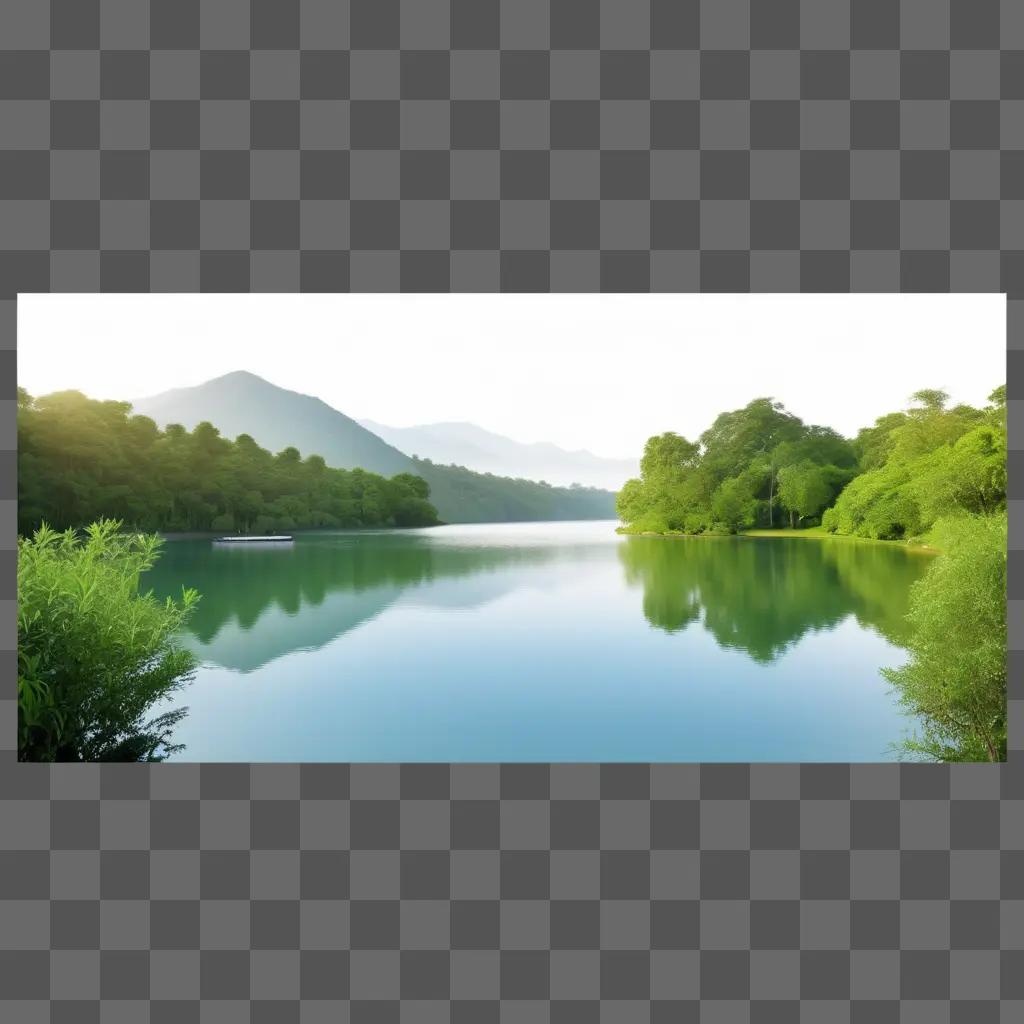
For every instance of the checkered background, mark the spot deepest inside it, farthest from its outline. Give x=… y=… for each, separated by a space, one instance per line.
x=478 y=145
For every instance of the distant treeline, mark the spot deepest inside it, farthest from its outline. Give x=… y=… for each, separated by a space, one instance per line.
x=485 y=498
x=81 y=460
x=761 y=466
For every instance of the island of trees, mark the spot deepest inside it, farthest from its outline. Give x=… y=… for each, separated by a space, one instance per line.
x=931 y=473
x=82 y=460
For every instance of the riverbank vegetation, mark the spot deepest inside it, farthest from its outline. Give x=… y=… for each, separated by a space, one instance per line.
x=955 y=678
x=762 y=467
x=94 y=653
x=928 y=472
x=80 y=460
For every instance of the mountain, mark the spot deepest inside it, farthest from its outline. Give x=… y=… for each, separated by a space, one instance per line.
x=466 y=444
x=243 y=403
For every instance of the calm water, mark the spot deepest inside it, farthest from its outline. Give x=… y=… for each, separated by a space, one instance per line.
x=541 y=642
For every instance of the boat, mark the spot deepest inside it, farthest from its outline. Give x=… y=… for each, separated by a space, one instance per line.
x=277 y=538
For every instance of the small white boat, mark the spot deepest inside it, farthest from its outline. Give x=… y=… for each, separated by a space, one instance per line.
x=251 y=540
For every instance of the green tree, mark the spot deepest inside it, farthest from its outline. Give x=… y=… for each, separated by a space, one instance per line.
x=967 y=476
x=666 y=459
x=932 y=399
x=95 y=654
x=820 y=445
x=733 y=504
x=631 y=501
x=729 y=479
x=804 y=489
x=925 y=464
x=736 y=438
x=872 y=445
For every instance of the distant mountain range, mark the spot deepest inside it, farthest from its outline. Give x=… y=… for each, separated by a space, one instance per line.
x=466 y=444
x=243 y=403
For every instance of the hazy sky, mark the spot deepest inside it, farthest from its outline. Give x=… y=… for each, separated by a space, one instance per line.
x=602 y=372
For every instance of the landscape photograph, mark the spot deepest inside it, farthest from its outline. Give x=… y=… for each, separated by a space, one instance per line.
x=500 y=528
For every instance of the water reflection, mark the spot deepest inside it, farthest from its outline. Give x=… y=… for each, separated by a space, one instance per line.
x=761 y=595
x=544 y=642
x=259 y=604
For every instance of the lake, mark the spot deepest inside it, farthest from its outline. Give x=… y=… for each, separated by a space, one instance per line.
x=541 y=642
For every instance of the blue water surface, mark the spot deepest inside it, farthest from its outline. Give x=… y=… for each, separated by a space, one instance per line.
x=541 y=642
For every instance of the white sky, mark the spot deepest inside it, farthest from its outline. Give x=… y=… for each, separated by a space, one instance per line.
x=602 y=372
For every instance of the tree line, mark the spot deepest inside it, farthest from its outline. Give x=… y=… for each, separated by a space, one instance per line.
x=761 y=466
x=81 y=460
x=486 y=498
x=755 y=466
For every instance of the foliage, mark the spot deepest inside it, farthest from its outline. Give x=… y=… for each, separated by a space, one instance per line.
x=872 y=445
x=95 y=654
x=804 y=488
x=472 y=497
x=733 y=504
x=80 y=460
x=955 y=679
x=732 y=478
x=924 y=464
x=875 y=505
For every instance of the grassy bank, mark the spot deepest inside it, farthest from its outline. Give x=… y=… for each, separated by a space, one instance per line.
x=923 y=544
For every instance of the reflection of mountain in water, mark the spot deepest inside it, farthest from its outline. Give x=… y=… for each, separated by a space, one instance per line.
x=761 y=596
x=260 y=604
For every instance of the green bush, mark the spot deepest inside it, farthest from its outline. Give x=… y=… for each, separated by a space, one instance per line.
x=878 y=504
x=955 y=680
x=95 y=654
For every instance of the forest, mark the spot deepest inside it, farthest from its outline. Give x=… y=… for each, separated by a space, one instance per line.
x=477 y=497
x=82 y=460
x=761 y=466
x=931 y=474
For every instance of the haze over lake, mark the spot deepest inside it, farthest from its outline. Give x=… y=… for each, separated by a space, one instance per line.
x=541 y=642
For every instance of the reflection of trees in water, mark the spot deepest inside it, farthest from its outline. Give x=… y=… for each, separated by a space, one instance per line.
x=763 y=595
x=239 y=584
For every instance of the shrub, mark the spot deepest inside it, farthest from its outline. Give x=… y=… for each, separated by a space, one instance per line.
x=95 y=654
x=955 y=680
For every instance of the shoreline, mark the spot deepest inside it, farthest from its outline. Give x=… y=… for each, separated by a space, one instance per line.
x=812 y=533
